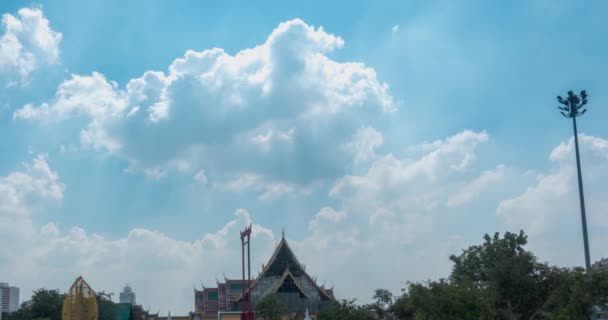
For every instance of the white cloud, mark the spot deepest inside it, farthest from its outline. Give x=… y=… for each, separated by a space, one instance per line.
x=551 y=205
x=345 y=236
x=283 y=101
x=443 y=158
x=266 y=189
x=91 y=96
x=396 y=28
x=52 y=258
x=473 y=189
x=364 y=144
x=396 y=206
x=398 y=198
x=242 y=182
x=393 y=207
x=327 y=214
x=28 y=43
x=200 y=177
x=19 y=192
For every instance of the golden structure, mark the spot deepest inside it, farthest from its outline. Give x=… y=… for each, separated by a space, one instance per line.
x=80 y=302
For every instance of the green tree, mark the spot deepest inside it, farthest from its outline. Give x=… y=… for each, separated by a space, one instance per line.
x=577 y=292
x=45 y=304
x=270 y=308
x=504 y=271
x=345 y=310
x=440 y=300
x=23 y=313
x=499 y=279
x=383 y=302
x=105 y=306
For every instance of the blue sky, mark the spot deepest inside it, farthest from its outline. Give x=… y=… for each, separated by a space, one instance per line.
x=138 y=138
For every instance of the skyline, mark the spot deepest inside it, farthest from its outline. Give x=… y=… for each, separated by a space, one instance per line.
x=137 y=140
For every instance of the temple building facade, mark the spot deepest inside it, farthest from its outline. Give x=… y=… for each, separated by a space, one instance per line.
x=222 y=298
x=283 y=276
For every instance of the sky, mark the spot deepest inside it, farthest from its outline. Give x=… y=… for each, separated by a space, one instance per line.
x=137 y=139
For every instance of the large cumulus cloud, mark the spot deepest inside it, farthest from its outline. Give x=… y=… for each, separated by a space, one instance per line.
x=282 y=109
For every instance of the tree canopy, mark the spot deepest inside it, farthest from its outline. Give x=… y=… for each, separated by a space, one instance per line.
x=345 y=310
x=46 y=305
x=270 y=308
x=500 y=279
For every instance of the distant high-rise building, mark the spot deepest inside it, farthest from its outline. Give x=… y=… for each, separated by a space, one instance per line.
x=9 y=298
x=127 y=295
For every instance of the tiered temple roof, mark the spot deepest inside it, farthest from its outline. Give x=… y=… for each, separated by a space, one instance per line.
x=285 y=276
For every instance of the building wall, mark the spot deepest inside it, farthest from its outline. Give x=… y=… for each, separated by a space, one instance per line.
x=229 y=316
x=266 y=284
x=127 y=297
x=9 y=298
x=14 y=299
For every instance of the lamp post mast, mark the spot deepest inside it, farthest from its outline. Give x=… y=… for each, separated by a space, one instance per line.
x=573 y=106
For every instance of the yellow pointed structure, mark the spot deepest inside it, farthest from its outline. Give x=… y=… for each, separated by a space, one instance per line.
x=80 y=302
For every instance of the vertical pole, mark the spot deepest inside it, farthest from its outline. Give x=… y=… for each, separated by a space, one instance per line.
x=582 y=198
x=243 y=263
x=250 y=303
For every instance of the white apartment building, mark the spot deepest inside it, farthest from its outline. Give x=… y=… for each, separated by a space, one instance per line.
x=9 y=298
x=127 y=295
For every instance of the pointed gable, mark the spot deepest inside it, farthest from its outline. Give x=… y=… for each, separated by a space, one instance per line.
x=284 y=266
x=289 y=284
x=283 y=258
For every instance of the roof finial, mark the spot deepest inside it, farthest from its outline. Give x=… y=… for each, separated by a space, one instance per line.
x=283 y=233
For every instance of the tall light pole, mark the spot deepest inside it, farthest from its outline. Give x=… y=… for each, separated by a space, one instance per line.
x=574 y=106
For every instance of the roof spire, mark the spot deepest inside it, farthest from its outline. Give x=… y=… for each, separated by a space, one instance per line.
x=283 y=233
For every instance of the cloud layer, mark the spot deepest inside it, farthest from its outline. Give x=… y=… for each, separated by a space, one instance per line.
x=27 y=44
x=270 y=110
x=551 y=204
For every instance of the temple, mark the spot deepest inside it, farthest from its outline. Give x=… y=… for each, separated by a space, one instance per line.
x=283 y=275
x=209 y=301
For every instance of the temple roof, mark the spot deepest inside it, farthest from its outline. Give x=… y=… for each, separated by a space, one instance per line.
x=284 y=263
x=285 y=276
x=281 y=259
